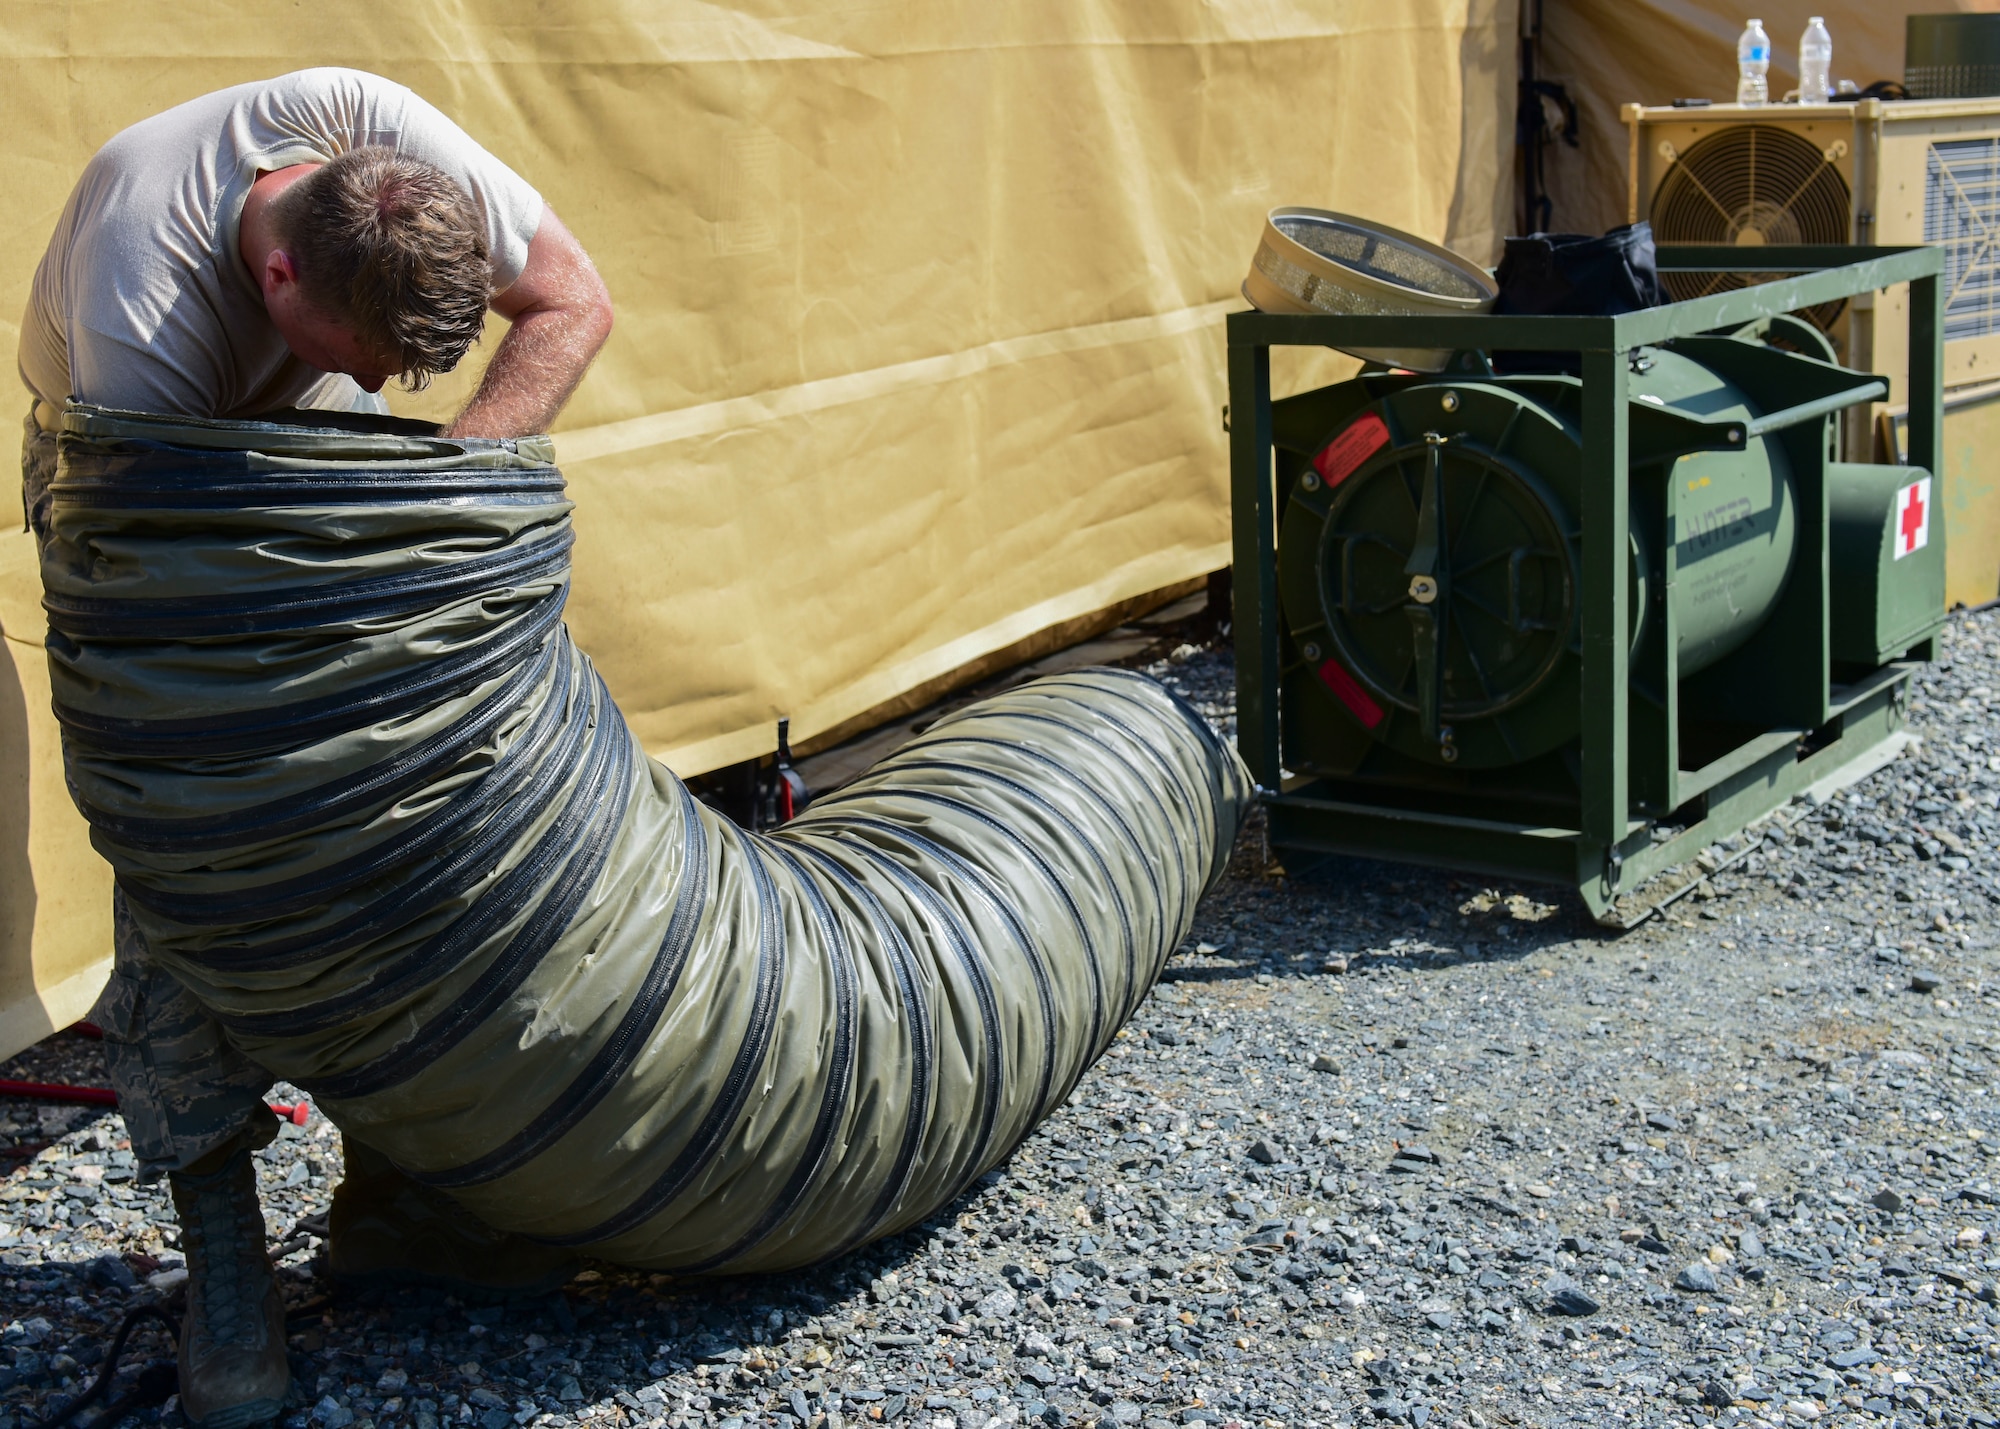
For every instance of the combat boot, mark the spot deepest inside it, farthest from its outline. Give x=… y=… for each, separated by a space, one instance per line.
x=233 y=1370
x=385 y=1228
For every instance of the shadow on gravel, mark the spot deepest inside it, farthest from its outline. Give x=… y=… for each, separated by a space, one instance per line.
x=419 y=1358
x=613 y=1333
x=1312 y=915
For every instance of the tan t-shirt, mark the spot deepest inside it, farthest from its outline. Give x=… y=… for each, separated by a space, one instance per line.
x=143 y=302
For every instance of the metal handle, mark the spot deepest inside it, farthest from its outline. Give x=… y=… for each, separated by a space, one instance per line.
x=1429 y=570
x=1871 y=390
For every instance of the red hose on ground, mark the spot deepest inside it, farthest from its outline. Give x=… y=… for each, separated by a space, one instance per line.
x=296 y=1113
x=56 y=1092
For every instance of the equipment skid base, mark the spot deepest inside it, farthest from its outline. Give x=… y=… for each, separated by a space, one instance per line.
x=1620 y=885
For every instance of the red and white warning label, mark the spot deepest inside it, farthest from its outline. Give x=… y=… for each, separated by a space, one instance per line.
x=1358 y=442
x=1913 y=517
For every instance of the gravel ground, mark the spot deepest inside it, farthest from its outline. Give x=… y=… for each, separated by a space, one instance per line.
x=1386 y=1145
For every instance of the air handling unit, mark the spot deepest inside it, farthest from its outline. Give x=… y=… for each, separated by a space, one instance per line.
x=1869 y=172
x=1576 y=627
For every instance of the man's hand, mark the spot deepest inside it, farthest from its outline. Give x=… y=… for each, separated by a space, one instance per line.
x=561 y=315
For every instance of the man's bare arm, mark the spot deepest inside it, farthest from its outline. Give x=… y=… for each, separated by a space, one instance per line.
x=560 y=313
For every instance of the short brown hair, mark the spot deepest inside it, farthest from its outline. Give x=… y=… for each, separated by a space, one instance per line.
x=395 y=247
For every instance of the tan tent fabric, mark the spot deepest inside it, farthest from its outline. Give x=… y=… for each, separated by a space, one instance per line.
x=919 y=346
x=1656 y=51
x=55 y=892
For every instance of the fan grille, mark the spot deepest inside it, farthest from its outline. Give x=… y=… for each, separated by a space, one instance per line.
x=1750 y=184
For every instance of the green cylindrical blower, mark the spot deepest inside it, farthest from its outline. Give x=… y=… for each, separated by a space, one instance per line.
x=1429 y=552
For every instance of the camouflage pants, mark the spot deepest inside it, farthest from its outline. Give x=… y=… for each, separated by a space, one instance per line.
x=183 y=1089
x=38 y=469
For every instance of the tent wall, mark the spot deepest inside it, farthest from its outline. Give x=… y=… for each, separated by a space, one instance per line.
x=1656 y=51
x=919 y=344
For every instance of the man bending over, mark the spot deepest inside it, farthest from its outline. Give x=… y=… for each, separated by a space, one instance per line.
x=297 y=242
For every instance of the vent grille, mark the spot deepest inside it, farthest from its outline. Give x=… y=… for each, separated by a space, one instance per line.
x=1962 y=216
x=1976 y=81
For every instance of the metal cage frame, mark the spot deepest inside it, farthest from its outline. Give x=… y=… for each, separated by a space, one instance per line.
x=1616 y=846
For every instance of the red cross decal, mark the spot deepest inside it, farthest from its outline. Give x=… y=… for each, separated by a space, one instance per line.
x=1913 y=517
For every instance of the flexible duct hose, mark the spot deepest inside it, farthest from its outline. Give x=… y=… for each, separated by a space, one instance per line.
x=369 y=803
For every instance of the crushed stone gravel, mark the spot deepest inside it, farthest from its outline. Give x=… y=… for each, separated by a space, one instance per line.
x=1386 y=1146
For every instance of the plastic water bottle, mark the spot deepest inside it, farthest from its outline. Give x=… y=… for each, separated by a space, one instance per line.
x=1815 y=63
x=1753 y=63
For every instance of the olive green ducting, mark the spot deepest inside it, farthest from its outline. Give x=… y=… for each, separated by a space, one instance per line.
x=369 y=803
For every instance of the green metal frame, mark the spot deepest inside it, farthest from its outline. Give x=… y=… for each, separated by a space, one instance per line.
x=1612 y=851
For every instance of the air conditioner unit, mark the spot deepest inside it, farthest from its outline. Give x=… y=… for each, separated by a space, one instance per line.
x=1869 y=172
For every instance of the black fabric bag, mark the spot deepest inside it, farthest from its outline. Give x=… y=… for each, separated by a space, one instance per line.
x=1580 y=276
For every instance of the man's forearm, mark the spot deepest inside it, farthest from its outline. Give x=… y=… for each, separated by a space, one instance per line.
x=534 y=370
x=561 y=315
